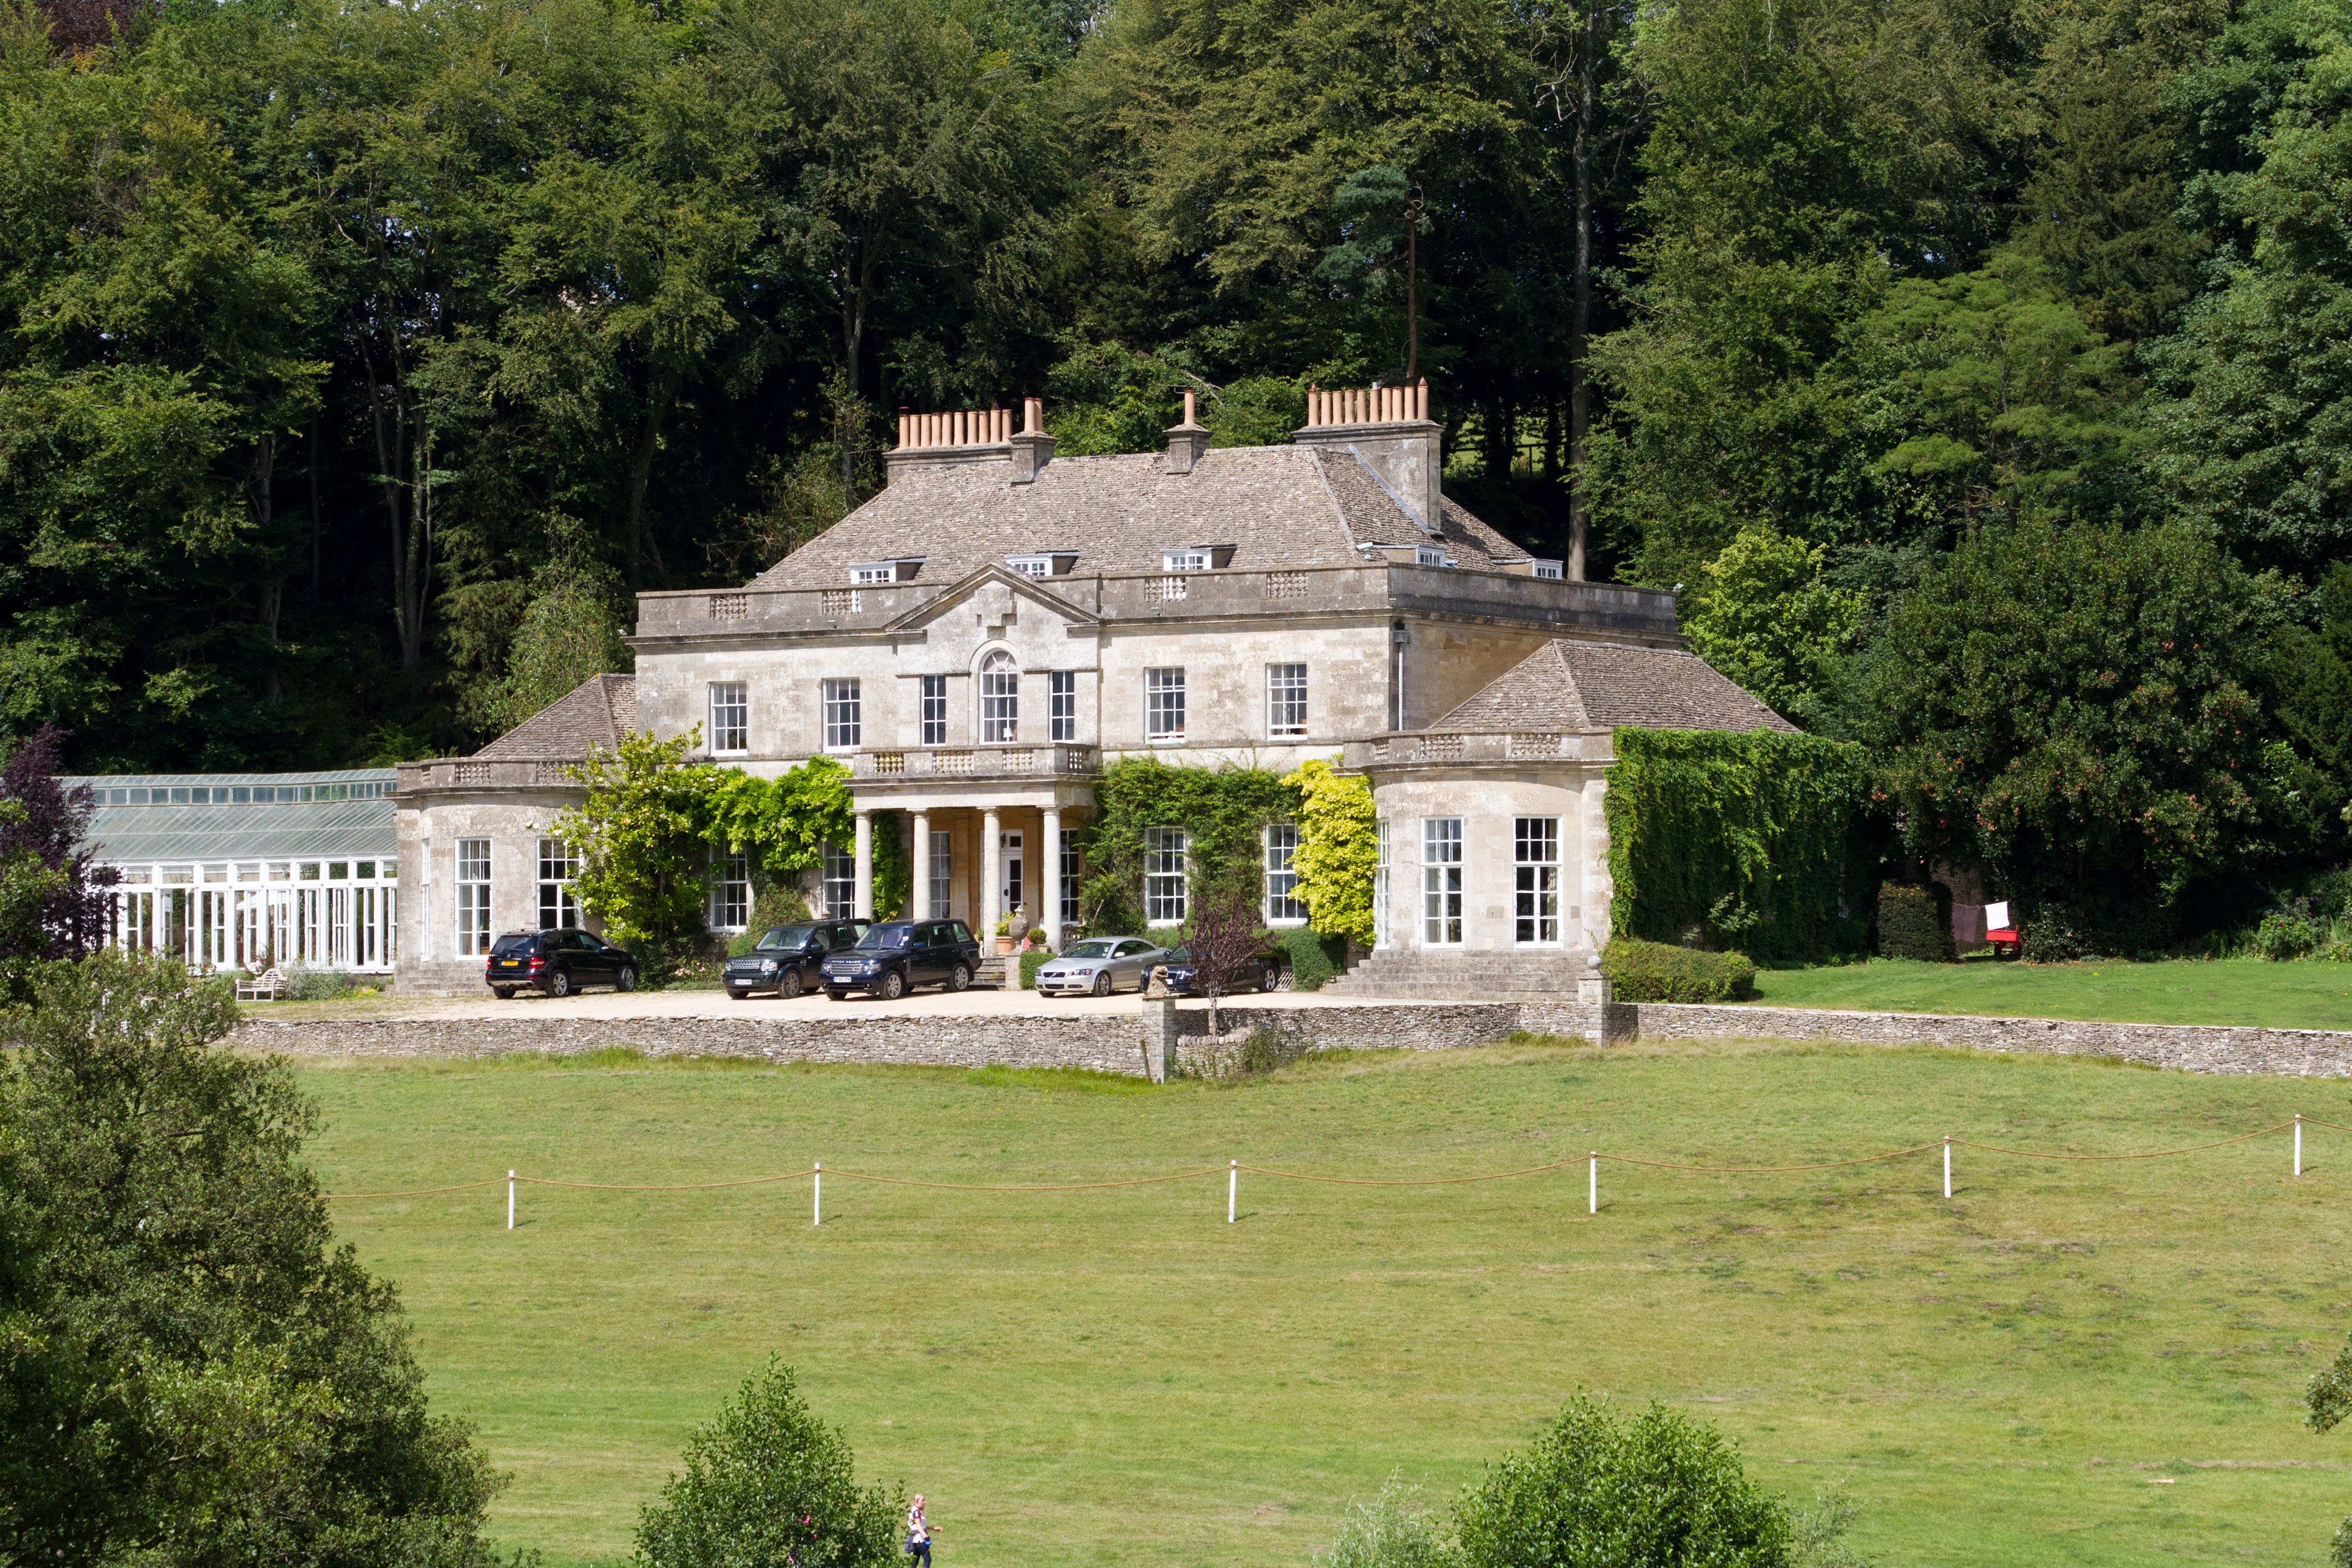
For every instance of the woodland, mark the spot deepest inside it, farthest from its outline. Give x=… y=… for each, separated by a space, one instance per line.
x=1976 y=368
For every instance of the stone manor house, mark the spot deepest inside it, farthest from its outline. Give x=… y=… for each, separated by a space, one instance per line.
x=982 y=637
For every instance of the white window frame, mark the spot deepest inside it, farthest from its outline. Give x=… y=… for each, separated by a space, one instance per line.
x=1279 y=844
x=731 y=890
x=1535 y=881
x=1030 y=565
x=472 y=882
x=843 y=710
x=559 y=868
x=933 y=713
x=1175 y=560
x=1286 y=700
x=1380 y=885
x=1550 y=571
x=1062 y=704
x=940 y=874
x=731 y=717
x=1000 y=697
x=874 y=573
x=1441 y=881
x=838 y=888
x=1073 y=872
x=1165 y=853
x=1163 y=700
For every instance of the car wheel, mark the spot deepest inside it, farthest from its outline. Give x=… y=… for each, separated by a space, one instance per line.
x=1270 y=979
x=503 y=992
x=790 y=985
x=959 y=978
x=626 y=980
x=838 y=995
x=559 y=983
x=894 y=985
x=1102 y=983
x=735 y=995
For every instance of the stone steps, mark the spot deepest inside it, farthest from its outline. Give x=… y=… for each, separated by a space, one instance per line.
x=1461 y=975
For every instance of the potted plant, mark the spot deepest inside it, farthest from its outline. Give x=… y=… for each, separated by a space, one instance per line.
x=1004 y=936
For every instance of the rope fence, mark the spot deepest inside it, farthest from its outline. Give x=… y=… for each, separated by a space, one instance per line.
x=1233 y=1169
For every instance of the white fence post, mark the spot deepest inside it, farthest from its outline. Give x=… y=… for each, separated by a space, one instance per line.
x=1233 y=1190
x=816 y=1196
x=2298 y=1142
x=1592 y=1186
x=1947 y=1164
x=509 y=1200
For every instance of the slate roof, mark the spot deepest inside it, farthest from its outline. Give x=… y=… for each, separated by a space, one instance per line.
x=1600 y=685
x=593 y=715
x=1278 y=506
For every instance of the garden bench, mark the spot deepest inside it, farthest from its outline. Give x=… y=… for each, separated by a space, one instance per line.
x=267 y=986
x=2006 y=942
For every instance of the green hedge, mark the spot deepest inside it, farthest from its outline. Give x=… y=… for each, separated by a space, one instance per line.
x=1915 y=922
x=1315 y=960
x=1032 y=959
x=1222 y=811
x=1764 y=842
x=1658 y=971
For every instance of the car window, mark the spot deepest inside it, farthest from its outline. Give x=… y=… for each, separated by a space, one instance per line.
x=1130 y=949
x=1093 y=950
x=847 y=936
x=590 y=941
x=890 y=936
x=962 y=931
x=513 y=946
x=785 y=939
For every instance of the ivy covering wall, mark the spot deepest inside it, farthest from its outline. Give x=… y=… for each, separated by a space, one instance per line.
x=1763 y=842
x=1338 y=850
x=1223 y=812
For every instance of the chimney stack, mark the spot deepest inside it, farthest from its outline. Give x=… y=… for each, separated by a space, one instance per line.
x=1032 y=449
x=1389 y=430
x=1187 y=443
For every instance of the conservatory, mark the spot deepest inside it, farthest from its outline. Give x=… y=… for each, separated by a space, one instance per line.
x=247 y=870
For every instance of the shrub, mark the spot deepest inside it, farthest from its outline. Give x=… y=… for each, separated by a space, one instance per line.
x=1031 y=961
x=307 y=985
x=1314 y=959
x=767 y=1482
x=1389 y=1531
x=1915 y=922
x=2290 y=932
x=776 y=905
x=1653 y=972
x=1656 y=1487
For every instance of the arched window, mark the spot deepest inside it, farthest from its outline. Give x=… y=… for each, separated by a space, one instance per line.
x=1000 y=697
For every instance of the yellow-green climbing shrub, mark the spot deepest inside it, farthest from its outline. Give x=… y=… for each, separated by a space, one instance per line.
x=1338 y=849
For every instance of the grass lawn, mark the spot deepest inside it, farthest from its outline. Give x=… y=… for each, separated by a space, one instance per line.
x=2066 y=1364
x=2228 y=991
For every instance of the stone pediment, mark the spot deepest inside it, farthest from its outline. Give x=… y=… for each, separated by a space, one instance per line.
x=1000 y=584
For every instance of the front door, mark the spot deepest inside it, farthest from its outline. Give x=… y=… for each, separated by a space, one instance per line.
x=1010 y=845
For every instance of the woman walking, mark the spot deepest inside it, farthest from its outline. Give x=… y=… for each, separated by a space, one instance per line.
x=918 y=1534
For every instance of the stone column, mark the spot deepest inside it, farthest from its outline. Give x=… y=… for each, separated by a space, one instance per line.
x=991 y=874
x=861 y=907
x=1049 y=878
x=920 y=856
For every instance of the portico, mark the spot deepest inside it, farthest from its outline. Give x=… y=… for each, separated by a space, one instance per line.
x=984 y=829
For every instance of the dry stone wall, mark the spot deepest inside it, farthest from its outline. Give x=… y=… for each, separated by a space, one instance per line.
x=1115 y=1042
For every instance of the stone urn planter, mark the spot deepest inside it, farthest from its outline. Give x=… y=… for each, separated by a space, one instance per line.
x=1009 y=942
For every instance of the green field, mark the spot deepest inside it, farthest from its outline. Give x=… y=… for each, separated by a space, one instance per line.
x=2066 y=1364
x=2307 y=995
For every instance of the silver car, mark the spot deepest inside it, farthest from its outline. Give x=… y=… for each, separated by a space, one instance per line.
x=1100 y=965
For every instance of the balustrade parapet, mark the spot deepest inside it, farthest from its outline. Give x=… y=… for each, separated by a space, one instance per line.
x=1431 y=748
x=1045 y=760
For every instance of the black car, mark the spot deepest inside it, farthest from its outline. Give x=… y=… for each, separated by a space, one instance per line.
x=785 y=959
x=558 y=962
x=896 y=956
x=1262 y=972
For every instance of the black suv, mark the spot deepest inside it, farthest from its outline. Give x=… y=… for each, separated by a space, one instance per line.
x=558 y=962
x=896 y=956
x=786 y=958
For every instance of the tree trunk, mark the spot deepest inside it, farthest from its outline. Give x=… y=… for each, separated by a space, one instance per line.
x=1579 y=321
x=265 y=514
x=396 y=452
x=314 y=508
x=641 y=469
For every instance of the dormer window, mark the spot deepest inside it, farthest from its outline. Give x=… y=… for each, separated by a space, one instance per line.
x=877 y=574
x=1548 y=570
x=1184 y=561
x=1031 y=565
x=1434 y=557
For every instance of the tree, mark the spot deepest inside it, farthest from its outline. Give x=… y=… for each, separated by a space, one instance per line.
x=2304 y=678
x=2327 y=1400
x=787 y=821
x=192 y=1373
x=42 y=845
x=644 y=838
x=1225 y=935
x=570 y=632
x=767 y=1485
x=1338 y=850
x=1653 y=1489
x=2066 y=705
x=1768 y=620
